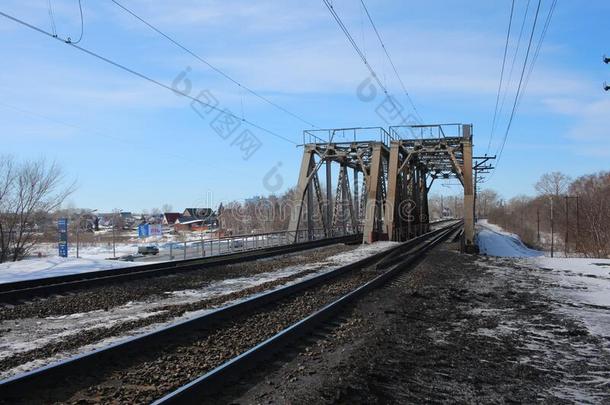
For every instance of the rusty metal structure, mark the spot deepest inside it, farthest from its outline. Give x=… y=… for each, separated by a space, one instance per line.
x=391 y=170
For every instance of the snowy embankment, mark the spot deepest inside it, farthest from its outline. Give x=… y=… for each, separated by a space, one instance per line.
x=92 y=258
x=493 y=241
x=579 y=287
x=30 y=269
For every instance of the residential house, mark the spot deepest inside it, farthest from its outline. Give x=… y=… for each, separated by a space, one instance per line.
x=170 y=218
x=196 y=220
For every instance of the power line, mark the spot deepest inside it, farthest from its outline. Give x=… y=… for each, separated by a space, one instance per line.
x=90 y=131
x=404 y=88
x=184 y=159
x=510 y=23
x=512 y=66
x=82 y=23
x=143 y=76
x=217 y=70
x=514 y=109
x=539 y=46
x=52 y=18
x=358 y=51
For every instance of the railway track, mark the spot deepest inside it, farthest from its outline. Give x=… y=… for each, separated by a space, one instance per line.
x=183 y=362
x=21 y=290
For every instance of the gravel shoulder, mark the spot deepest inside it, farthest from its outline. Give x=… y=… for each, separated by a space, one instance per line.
x=42 y=331
x=456 y=328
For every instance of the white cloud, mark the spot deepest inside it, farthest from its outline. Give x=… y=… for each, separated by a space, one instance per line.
x=589 y=134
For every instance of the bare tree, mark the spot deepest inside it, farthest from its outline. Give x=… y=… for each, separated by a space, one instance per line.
x=166 y=207
x=486 y=200
x=28 y=191
x=553 y=184
x=583 y=216
x=594 y=206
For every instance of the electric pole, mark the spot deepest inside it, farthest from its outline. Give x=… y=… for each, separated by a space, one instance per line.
x=480 y=167
x=538 y=223
x=552 y=228
x=577 y=226
x=114 y=221
x=567 y=197
x=78 y=225
x=567 y=229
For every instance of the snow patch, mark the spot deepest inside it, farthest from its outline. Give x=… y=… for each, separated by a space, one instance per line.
x=493 y=241
x=30 y=269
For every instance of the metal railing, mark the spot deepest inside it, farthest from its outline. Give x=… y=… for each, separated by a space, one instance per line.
x=206 y=246
x=431 y=131
x=347 y=135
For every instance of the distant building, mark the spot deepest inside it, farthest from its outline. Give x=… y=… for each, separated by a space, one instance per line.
x=170 y=218
x=124 y=220
x=199 y=213
x=196 y=219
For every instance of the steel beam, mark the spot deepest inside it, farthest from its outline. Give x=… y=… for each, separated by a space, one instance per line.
x=302 y=186
x=373 y=230
x=469 y=244
x=392 y=201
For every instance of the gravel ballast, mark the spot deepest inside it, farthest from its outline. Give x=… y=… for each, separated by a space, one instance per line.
x=456 y=329
x=40 y=332
x=155 y=372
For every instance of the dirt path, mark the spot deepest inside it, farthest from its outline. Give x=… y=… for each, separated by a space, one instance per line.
x=455 y=329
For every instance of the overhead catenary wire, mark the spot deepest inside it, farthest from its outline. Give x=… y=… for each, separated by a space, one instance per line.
x=88 y=130
x=387 y=54
x=145 y=77
x=538 y=47
x=513 y=63
x=359 y=51
x=211 y=66
x=534 y=59
x=52 y=18
x=519 y=87
x=82 y=24
x=493 y=124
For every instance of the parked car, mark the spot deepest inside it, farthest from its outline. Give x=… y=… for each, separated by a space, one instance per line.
x=148 y=250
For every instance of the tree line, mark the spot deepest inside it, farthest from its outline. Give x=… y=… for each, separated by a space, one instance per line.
x=567 y=215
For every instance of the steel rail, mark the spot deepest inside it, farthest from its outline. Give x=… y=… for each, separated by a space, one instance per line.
x=19 y=290
x=196 y=390
x=57 y=373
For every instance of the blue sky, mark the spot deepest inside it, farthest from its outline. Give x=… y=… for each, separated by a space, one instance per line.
x=133 y=145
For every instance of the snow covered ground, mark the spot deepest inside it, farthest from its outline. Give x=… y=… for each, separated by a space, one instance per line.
x=579 y=286
x=92 y=258
x=29 y=269
x=97 y=251
x=21 y=335
x=44 y=261
x=494 y=241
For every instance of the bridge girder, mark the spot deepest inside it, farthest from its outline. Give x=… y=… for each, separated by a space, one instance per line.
x=397 y=174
